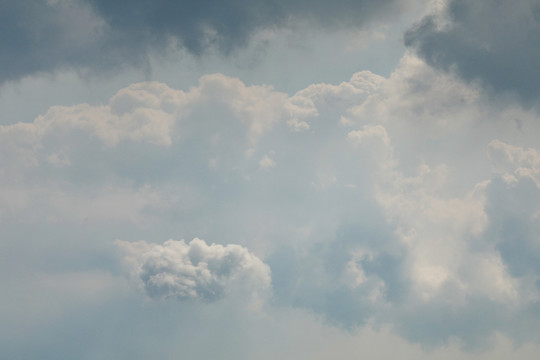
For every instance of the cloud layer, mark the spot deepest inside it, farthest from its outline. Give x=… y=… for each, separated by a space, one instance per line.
x=401 y=209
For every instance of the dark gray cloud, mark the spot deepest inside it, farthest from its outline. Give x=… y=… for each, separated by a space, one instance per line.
x=495 y=42
x=42 y=36
x=227 y=24
x=99 y=35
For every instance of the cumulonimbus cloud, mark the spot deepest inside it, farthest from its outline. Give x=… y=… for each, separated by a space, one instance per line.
x=195 y=270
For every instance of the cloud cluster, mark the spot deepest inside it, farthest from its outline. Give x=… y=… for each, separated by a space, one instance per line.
x=491 y=42
x=409 y=201
x=182 y=135
x=448 y=227
x=43 y=36
x=149 y=112
x=195 y=270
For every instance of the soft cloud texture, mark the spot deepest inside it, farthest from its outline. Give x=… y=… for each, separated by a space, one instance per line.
x=195 y=270
x=429 y=244
x=359 y=211
x=406 y=202
x=149 y=112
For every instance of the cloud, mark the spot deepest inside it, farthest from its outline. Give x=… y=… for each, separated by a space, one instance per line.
x=42 y=36
x=72 y=159
x=153 y=113
x=195 y=270
x=424 y=228
x=402 y=196
x=346 y=94
x=96 y=35
x=494 y=43
x=513 y=209
x=514 y=161
x=407 y=204
x=266 y=162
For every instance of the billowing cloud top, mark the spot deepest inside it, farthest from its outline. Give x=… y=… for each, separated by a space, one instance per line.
x=195 y=270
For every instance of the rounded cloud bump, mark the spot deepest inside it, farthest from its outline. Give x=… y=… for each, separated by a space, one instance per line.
x=195 y=270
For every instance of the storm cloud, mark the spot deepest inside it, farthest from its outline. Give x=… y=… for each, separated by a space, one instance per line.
x=494 y=42
x=99 y=36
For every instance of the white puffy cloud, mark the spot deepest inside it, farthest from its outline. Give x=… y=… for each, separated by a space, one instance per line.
x=346 y=94
x=408 y=201
x=195 y=270
x=213 y=123
x=150 y=112
x=422 y=154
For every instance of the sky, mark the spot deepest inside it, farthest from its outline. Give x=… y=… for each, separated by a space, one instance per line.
x=270 y=179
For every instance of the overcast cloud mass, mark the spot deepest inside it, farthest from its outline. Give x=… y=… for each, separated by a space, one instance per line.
x=201 y=214
x=495 y=42
x=97 y=36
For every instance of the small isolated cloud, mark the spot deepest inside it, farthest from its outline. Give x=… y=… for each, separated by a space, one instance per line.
x=267 y=162
x=195 y=270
